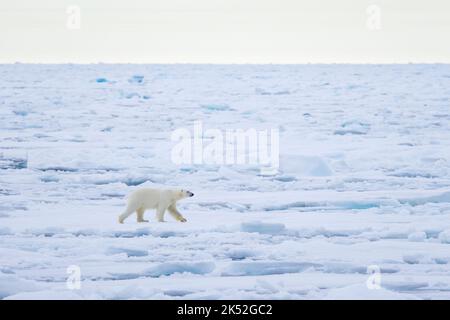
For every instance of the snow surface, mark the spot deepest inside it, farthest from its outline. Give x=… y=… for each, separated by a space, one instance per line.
x=364 y=180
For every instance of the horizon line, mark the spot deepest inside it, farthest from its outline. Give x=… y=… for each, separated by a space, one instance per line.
x=225 y=63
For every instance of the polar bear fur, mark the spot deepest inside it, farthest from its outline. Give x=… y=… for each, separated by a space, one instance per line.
x=161 y=200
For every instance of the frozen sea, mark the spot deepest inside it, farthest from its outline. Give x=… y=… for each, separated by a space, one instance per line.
x=360 y=207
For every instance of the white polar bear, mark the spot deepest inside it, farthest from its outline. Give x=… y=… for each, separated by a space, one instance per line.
x=158 y=199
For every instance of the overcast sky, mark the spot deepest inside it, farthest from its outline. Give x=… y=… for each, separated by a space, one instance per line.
x=225 y=31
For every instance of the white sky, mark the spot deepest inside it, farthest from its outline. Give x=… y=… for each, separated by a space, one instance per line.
x=225 y=31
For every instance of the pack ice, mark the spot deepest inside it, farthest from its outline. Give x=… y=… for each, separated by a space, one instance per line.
x=360 y=206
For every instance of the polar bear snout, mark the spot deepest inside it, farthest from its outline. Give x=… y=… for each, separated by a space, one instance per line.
x=185 y=194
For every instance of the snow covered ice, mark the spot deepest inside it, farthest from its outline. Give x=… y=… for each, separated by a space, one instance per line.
x=364 y=181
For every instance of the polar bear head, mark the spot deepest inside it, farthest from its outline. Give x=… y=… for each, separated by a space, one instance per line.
x=181 y=194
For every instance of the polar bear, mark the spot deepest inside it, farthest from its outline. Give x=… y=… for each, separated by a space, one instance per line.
x=158 y=199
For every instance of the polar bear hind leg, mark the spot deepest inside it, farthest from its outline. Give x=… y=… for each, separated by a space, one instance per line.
x=140 y=215
x=128 y=212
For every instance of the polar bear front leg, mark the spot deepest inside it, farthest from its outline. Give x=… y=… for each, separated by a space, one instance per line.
x=175 y=213
x=140 y=215
x=160 y=213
